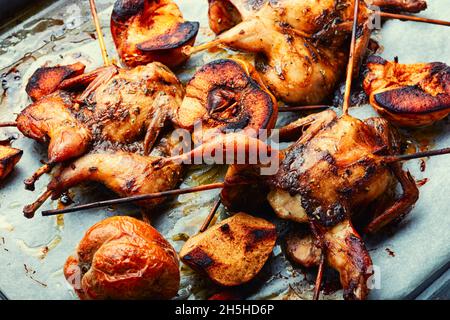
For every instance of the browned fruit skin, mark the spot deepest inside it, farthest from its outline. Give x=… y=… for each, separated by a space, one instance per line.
x=8 y=159
x=232 y=252
x=410 y=95
x=123 y=258
x=224 y=96
x=126 y=174
x=149 y=30
x=50 y=120
x=46 y=80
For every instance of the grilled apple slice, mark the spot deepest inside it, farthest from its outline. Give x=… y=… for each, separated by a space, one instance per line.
x=151 y=30
x=46 y=80
x=232 y=252
x=8 y=159
x=226 y=95
x=410 y=95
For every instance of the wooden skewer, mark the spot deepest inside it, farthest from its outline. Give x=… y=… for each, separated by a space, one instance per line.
x=319 y=277
x=29 y=183
x=302 y=108
x=8 y=124
x=210 y=216
x=217 y=185
x=189 y=50
x=413 y=18
x=98 y=28
x=404 y=157
x=31 y=209
x=351 y=61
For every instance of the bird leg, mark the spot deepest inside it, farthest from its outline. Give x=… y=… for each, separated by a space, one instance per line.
x=400 y=207
x=315 y=122
x=29 y=182
x=226 y=149
x=31 y=209
x=8 y=124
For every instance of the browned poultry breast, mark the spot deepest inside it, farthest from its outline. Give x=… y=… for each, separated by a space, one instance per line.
x=124 y=106
x=409 y=95
x=151 y=30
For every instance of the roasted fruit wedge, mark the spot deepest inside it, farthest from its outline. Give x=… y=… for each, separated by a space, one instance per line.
x=409 y=95
x=232 y=252
x=8 y=159
x=123 y=258
x=47 y=80
x=151 y=30
x=227 y=95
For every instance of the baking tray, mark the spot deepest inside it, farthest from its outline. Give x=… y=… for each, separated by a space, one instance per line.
x=32 y=252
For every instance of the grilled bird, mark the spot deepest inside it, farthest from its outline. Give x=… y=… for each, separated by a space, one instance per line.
x=334 y=169
x=300 y=45
x=409 y=95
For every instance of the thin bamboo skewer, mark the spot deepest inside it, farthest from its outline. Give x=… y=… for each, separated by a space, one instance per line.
x=98 y=28
x=351 y=61
x=413 y=18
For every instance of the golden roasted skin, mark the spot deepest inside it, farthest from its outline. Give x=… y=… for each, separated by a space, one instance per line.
x=409 y=95
x=52 y=119
x=123 y=258
x=123 y=107
x=331 y=171
x=223 y=96
x=336 y=170
x=9 y=157
x=232 y=252
x=297 y=60
x=151 y=30
x=126 y=174
x=225 y=14
x=47 y=80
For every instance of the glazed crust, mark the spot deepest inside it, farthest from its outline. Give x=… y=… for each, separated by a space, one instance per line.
x=123 y=258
